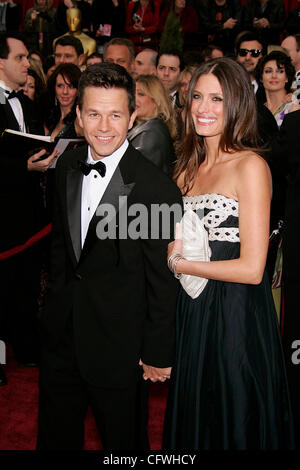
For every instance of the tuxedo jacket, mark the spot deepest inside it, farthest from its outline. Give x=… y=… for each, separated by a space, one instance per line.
x=118 y=290
x=20 y=193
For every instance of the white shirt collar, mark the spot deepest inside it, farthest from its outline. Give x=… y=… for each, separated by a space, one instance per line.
x=112 y=159
x=255 y=85
x=5 y=87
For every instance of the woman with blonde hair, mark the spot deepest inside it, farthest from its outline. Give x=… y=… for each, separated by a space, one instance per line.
x=155 y=127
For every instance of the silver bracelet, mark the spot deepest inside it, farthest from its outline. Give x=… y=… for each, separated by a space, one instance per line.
x=177 y=276
x=171 y=259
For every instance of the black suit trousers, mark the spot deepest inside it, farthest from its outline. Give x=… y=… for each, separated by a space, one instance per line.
x=65 y=397
x=19 y=293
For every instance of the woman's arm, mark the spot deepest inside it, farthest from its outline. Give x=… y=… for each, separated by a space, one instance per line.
x=253 y=188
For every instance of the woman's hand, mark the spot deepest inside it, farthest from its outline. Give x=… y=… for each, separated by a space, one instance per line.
x=176 y=245
x=138 y=27
x=33 y=15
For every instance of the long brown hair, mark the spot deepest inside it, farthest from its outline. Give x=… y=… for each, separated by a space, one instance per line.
x=240 y=120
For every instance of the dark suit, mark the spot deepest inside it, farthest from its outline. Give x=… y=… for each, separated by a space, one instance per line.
x=274 y=12
x=289 y=157
x=21 y=214
x=13 y=17
x=114 y=299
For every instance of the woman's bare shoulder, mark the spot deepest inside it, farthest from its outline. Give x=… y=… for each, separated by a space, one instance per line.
x=248 y=160
x=252 y=171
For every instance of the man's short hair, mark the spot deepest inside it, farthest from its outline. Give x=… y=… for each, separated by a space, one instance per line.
x=4 y=48
x=120 y=42
x=95 y=55
x=208 y=50
x=107 y=75
x=153 y=55
x=248 y=36
x=70 y=41
x=173 y=52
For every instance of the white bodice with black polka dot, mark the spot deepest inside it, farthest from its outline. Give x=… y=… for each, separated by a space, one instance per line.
x=214 y=210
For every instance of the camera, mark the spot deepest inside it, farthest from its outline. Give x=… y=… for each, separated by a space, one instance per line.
x=137 y=18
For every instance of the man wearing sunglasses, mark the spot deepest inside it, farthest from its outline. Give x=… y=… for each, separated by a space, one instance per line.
x=248 y=52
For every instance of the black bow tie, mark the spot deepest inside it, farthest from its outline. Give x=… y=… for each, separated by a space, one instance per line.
x=13 y=94
x=87 y=167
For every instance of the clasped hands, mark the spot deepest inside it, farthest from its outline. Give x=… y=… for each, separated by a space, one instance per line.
x=155 y=374
x=138 y=27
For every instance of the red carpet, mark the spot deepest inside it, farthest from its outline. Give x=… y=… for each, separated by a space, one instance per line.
x=18 y=412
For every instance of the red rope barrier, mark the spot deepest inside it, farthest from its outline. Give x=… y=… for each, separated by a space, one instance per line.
x=31 y=241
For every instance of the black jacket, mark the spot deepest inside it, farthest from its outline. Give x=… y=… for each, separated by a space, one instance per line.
x=20 y=192
x=119 y=290
x=274 y=12
x=152 y=138
x=212 y=17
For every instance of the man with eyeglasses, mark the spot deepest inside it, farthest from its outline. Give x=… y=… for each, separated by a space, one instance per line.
x=248 y=52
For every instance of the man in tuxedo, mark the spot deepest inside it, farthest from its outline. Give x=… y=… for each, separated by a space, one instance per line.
x=21 y=205
x=109 y=317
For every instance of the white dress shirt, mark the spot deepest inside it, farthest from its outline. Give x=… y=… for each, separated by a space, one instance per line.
x=255 y=85
x=16 y=108
x=94 y=186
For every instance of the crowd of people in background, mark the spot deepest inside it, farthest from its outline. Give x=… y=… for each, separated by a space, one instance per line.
x=161 y=44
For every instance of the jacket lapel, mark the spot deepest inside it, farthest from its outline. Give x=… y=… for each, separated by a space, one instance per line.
x=120 y=185
x=12 y=123
x=74 y=187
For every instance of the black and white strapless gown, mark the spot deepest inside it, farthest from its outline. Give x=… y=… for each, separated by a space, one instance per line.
x=228 y=388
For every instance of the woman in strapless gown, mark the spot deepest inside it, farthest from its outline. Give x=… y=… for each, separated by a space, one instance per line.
x=228 y=386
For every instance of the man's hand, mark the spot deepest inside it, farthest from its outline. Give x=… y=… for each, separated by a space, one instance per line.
x=230 y=23
x=155 y=374
x=42 y=165
x=265 y=23
x=69 y=3
x=261 y=23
